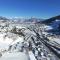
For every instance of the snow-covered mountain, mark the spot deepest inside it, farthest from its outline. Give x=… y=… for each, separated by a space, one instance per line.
x=50 y=20
x=53 y=25
x=26 y=20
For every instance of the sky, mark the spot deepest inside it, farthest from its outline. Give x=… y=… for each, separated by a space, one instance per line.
x=30 y=8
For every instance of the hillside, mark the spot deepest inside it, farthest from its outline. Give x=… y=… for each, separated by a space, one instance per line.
x=48 y=21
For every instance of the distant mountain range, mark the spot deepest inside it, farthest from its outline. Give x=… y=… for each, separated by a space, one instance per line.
x=22 y=20
x=30 y=20
x=3 y=18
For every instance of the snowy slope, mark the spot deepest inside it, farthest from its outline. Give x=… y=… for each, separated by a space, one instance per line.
x=53 y=26
x=14 y=56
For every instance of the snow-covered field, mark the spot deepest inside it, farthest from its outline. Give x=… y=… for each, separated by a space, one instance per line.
x=17 y=43
x=11 y=44
x=14 y=56
x=5 y=41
